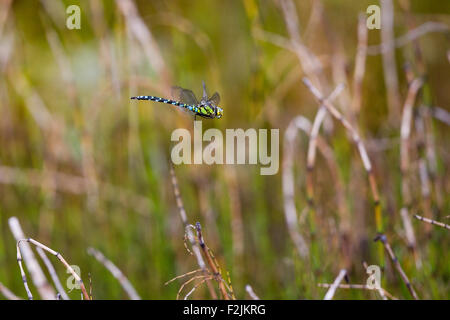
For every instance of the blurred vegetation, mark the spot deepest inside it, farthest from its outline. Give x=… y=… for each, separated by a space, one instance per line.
x=82 y=166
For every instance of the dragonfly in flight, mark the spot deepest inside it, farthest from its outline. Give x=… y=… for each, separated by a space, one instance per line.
x=207 y=107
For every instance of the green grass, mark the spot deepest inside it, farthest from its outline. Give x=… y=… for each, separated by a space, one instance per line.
x=95 y=131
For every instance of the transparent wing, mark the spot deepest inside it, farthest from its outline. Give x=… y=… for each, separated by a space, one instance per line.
x=184 y=95
x=205 y=91
x=215 y=99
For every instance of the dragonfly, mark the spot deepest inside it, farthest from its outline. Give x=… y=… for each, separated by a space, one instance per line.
x=207 y=107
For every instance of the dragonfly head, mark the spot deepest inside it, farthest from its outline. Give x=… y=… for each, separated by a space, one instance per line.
x=219 y=112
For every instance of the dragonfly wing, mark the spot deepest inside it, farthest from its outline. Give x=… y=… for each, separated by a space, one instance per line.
x=215 y=99
x=184 y=95
x=205 y=92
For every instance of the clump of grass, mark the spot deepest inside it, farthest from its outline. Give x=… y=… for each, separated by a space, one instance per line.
x=79 y=164
x=24 y=253
x=57 y=255
x=211 y=269
x=398 y=267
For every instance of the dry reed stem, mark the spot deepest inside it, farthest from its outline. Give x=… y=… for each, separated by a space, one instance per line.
x=330 y=293
x=8 y=293
x=360 y=65
x=53 y=10
x=182 y=211
x=116 y=272
x=405 y=133
x=328 y=154
x=106 y=50
x=430 y=151
x=389 y=64
x=421 y=30
x=206 y=210
x=250 y=292
x=311 y=66
x=195 y=287
x=315 y=18
x=425 y=184
x=427 y=113
x=22 y=273
x=212 y=262
x=304 y=125
x=273 y=38
x=339 y=65
x=5 y=7
x=311 y=153
x=52 y=272
x=338 y=62
x=37 y=275
x=141 y=46
x=270 y=110
x=438 y=113
x=139 y=30
x=409 y=231
x=358 y=286
x=90 y=286
x=342 y=207
x=206 y=277
x=182 y=276
x=405 y=129
x=290 y=210
x=410 y=22
x=398 y=267
x=423 y=123
x=60 y=258
x=187 y=229
x=433 y=222
x=63 y=63
x=237 y=225
x=359 y=144
x=57 y=255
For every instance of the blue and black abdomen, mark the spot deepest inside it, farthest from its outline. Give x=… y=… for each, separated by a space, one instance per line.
x=202 y=111
x=158 y=99
x=167 y=101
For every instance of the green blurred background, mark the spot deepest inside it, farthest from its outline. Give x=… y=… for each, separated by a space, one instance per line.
x=81 y=165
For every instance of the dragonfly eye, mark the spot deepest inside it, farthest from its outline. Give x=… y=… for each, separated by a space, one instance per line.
x=219 y=112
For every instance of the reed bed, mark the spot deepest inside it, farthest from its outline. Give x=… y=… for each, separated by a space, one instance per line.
x=363 y=154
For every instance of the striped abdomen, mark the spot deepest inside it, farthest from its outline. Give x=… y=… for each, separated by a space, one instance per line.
x=167 y=101
x=157 y=99
x=192 y=108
